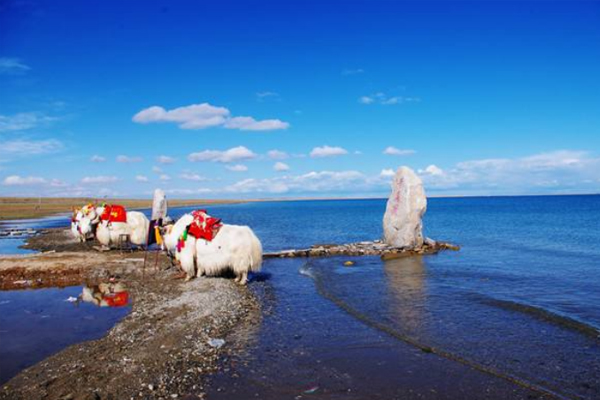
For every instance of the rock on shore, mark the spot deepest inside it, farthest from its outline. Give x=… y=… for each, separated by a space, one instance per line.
x=402 y=221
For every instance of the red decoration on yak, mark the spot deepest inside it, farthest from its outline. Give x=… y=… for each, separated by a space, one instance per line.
x=118 y=299
x=114 y=213
x=204 y=226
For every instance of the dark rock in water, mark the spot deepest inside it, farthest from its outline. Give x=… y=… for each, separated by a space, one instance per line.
x=402 y=221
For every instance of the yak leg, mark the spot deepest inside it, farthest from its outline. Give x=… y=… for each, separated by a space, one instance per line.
x=186 y=259
x=243 y=278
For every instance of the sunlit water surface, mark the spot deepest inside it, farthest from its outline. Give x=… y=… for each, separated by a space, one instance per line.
x=520 y=302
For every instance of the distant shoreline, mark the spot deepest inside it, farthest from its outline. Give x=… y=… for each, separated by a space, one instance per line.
x=13 y=208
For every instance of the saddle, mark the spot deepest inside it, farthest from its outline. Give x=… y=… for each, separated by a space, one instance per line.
x=204 y=226
x=114 y=213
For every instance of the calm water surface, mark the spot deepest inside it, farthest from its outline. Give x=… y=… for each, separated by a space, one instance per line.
x=517 y=308
x=520 y=303
x=35 y=324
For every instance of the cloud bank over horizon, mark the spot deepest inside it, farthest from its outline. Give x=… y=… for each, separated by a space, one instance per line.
x=557 y=172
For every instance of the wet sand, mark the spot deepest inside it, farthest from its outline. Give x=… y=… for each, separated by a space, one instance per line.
x=159 y=350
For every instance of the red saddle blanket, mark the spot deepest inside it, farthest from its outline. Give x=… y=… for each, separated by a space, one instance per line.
x=114 y=213
x=204 y=226
x=118 y=299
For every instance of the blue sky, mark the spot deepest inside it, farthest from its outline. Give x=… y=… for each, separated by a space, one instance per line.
x=255 y=99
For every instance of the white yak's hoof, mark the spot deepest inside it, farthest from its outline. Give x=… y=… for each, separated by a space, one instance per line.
x=187 y=279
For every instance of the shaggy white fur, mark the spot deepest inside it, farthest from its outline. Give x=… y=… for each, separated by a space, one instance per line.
x=174 y=232
x=83 y=225
x=136 y=227
x=234 y=248
x=75 y=226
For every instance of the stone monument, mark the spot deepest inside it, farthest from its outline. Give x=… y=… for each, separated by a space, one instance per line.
x=402 y=221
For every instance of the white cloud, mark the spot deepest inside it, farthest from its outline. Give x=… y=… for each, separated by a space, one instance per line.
x=164 y=177
x=384 y=99
x=266 y=95
x=127 y=159
x=324 y=182
x=157 y=170
x=97 y=158
x=165 y=160
x=99 y=179
x=58 y=183
x=188 y=191
x=392 y=151
x=234 y=154
x=431 y=170
x=250 y=124
x=280 y=167
x=277 y=155
x=356 y=71
x=327 y=151
x=141 y=178
x=195 y=116
x=391 y=101
x=23 y=121
x=202 y=116
x=554 y=172
x=237 y=168
x=30 y=147
x=16 y=180
x=386 y=173
x=188 y=176
x=13 y=66
x=562 y=171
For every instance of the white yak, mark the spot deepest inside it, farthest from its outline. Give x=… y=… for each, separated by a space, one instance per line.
x=234 y=248
x=84 y=221
x=136 y=227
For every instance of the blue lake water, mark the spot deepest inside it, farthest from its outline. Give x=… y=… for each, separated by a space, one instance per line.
x=34 y=324
x=519 y=303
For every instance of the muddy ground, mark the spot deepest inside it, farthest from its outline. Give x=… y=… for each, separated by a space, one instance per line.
x=160 y=350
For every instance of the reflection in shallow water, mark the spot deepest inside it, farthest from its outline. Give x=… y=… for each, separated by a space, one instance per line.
x=405 y=280
x=37 y=323
x=421 y=302
x=106 y=294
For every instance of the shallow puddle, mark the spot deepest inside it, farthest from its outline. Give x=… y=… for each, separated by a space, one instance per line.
x=10 y=243
x=35 y=324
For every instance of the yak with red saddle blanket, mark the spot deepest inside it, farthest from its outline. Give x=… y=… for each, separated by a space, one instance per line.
x=203 y=245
